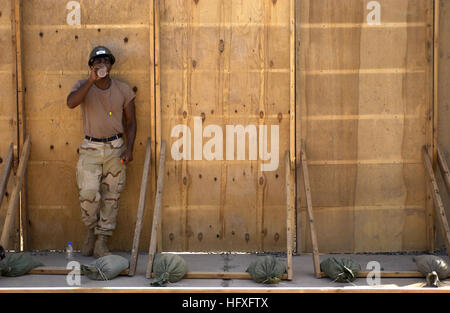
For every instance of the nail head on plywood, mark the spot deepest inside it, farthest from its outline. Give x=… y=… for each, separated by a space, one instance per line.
x=171 y=236
x=280 y=116
x=200 y=236
x=247 y=237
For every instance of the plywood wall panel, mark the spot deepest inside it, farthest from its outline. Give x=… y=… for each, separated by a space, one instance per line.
x=8 y=105
x=444 y=100
x=56 y=56
x=227 y=62
x=364 y=96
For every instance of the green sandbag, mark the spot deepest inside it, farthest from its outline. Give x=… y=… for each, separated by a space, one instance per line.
x=428 y=263
x=267 y=270
x=341 y=270
x=433 y=267
x=18 y=264
x=168 y=268
x=105 y=268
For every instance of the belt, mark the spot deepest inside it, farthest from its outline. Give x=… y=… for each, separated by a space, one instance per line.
x=104 y=139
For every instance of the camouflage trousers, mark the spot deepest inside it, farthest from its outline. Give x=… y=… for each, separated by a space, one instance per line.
x=101 y=178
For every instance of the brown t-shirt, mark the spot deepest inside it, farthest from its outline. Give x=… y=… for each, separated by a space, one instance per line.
x=102 y=110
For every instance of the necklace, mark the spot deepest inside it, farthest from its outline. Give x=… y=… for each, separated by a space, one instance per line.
x=109 y=96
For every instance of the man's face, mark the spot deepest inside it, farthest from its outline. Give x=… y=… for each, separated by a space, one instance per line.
x=102 y=61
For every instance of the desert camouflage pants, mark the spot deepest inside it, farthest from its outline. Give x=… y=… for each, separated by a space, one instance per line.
x=101 y=178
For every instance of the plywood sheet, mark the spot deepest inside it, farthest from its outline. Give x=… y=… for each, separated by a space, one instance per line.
x=228 y=63
x=364 y=97
x=55 y=57
x=444 y=99
x=8 y=108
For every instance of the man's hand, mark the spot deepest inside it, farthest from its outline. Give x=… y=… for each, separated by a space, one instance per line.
x=93 y=77
x=126 y=156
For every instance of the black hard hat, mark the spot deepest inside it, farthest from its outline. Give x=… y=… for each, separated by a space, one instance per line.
x=100 y=51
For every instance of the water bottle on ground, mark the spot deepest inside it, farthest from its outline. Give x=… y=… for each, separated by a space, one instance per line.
x=69 y=251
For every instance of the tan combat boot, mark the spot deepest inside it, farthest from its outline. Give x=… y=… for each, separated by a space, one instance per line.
x=100 y=248
x=88 y=245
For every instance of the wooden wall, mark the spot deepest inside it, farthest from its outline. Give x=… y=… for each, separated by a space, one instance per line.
x=363 y=108
x=8 y=112
x=364 y=98
x=444 y=99
x=227 y=62
x=55 y=57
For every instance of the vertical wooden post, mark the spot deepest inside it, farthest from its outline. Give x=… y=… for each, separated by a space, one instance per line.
x=292 y=116
x=298 y=131
x=157 y=210
x=18 y=83
x=158 y=113
x=315 y=247
x=289 y=211
x=153 y=113
x=435 y=81
x=140 y=212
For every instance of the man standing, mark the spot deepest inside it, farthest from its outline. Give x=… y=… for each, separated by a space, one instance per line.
x=101 y=168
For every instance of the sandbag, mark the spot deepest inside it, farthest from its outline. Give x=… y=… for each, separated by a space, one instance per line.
x=105 y=268
x=168 y=268
x=433 y=267
x=267 y=270
x=341 y=270
x=18 y=264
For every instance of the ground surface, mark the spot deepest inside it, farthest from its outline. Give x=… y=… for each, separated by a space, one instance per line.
x=302 y=268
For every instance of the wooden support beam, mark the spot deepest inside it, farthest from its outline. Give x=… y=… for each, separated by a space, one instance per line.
x=157 y=84
x=52 y=270
x=386 y=274
x=157 y=210
x=14 y=201
x=141 y=208
x=439 y=205
x=435 y=80
x=6 y=171
x=289 y=211
x=292 y=123
x=18 y=83
x=444 y=168
x=315 y=247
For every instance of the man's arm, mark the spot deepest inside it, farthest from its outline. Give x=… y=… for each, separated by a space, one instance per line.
x=75 y=98
x=130 y=117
